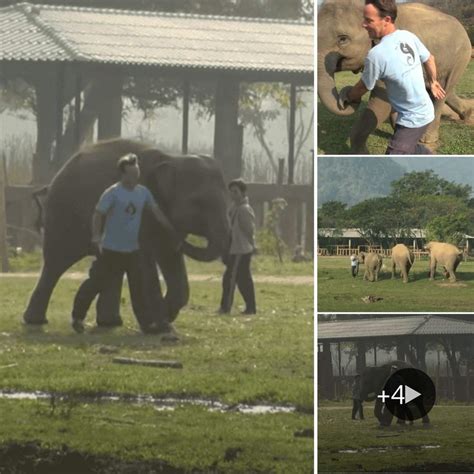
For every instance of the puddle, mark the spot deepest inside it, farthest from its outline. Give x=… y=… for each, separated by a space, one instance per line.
x=384 y=449
x=160 y=404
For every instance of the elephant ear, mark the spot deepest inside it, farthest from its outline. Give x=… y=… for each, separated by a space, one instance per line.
x=162 y=183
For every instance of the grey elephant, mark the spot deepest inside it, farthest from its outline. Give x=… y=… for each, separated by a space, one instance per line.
x=447 y=255
x=373 y=263
x=373 y=380
x=403 y=259
x=190 y=190
x=343 y=45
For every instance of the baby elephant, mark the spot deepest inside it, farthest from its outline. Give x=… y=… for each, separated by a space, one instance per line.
x=447 y=255
x=373 y=264
x=402 y=257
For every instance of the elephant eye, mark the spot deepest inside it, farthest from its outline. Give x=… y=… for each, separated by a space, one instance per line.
x=343 y=40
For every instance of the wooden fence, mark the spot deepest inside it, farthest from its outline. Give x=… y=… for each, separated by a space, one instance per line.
x=346 y=251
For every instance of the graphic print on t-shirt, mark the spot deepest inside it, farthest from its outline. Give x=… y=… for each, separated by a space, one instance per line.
x=405 y=48
x=131 y=209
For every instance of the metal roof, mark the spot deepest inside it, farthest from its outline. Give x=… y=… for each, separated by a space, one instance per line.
x=65 y=33
x=387 y=326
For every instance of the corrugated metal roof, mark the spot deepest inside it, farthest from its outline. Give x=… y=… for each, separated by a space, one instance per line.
x=65 y=33
x=392 y=326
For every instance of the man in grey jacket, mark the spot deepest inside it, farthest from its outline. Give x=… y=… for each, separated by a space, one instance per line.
x=242 y=247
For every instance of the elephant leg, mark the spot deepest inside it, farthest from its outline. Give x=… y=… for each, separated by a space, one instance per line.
x=52 y=270
x=108 y=304
x=432 y=268
x=393 y=269
x=377 y=111
x=404 y=273
x=450 y=271
x=460 y=106
x=431 y=135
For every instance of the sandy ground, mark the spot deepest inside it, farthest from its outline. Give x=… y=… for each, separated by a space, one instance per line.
x=277 y=280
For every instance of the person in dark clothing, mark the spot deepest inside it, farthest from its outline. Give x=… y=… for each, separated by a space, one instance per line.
x=357 y=407
x=242 y=247
x=115 y=229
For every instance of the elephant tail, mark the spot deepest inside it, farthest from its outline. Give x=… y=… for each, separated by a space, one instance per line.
x=40 y=193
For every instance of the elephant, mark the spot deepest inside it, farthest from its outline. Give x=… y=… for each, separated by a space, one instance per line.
x=343 y=45
x=402 y=257
x=445 y=254
x=373 y=263
x=373 y=380
x=191 y=192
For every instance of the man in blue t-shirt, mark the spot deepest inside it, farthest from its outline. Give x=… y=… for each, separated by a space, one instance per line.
x=398 y=60
x=115 y=230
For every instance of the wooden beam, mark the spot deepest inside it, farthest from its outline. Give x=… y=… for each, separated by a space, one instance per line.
x=184 y=140
x=77 y=109
x=3 y=221
x=291 y=134
x=59 y=109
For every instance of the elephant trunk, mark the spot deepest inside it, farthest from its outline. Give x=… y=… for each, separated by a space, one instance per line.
x=327 y=90
x=202 y=254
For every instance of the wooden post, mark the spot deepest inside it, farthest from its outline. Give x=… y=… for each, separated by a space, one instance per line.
x=281 y=170
x=291 y=135
x=59 y=110
x=375 y=353
x=3 y=222
x=228 y=134
x=185 y=137
x=110 y=115
x=77 y=110
x=339 y=358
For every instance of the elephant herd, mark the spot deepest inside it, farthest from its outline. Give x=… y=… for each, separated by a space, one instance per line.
x=446 y=255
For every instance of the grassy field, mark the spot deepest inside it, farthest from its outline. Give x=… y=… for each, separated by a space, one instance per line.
x=261 y=265
x=338 y=291
x=333 y=131
x=446 y=447
x=263 y=359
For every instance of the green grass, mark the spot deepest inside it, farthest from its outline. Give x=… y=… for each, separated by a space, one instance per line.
x=267 y=358
x=188 y=438
x=338 y=291
x=261 y=265
x=333 y=131
x=451 y=430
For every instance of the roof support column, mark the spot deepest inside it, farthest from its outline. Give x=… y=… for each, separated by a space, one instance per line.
x=59 y=110
x=185 y=136
x=291 y=135
x=228 y=134
x=4 y=264
x=360 y=357
x=77 y=109
x=110 y=108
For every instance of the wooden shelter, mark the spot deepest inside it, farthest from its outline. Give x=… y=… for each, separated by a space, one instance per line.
x=79 y=57
x=403 y=332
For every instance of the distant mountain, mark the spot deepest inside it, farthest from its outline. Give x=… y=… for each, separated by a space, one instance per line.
x=354 y=179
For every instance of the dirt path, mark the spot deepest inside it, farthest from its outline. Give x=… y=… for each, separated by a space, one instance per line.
x=276 y=280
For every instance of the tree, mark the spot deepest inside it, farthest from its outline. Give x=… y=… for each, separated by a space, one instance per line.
x=427 y=183
x=332 y=215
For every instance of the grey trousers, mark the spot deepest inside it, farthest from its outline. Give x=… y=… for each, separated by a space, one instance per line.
x=405 y=141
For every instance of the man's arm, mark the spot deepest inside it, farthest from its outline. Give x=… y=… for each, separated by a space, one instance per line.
x=435 y=87
x=97 y=228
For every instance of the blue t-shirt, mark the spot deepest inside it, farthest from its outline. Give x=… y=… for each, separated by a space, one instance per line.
x=123 y=209
x=397 y=61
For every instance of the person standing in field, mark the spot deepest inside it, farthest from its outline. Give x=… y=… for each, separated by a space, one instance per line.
x=354 y=266
x=398 y=60
x=115 y=229
x=242 y=247
x=357 y=407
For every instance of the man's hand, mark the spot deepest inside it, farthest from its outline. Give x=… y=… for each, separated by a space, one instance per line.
x=97 y=245
x=347 y=97
x=437 y=91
